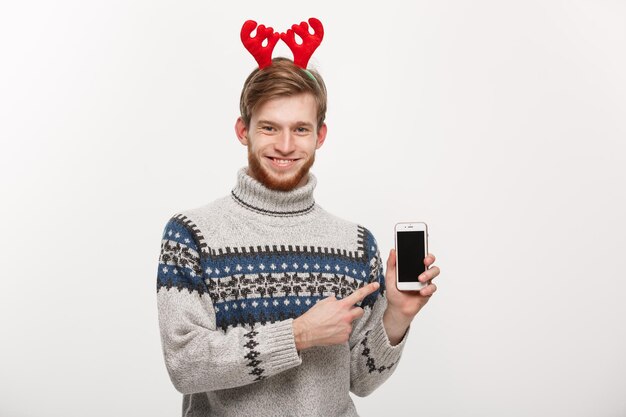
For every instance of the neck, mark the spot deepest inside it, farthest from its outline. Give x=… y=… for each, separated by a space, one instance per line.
x=255 y=196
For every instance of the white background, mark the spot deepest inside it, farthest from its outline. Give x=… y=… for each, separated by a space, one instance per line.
x=500 y=124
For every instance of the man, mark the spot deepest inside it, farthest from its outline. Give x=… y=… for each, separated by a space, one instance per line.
x=269 y=305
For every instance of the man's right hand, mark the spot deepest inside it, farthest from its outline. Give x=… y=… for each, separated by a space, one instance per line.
x=329 y=321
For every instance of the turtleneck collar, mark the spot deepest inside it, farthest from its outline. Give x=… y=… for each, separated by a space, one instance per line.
x=255 y=196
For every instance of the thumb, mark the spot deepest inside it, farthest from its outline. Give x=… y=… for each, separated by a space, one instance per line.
x=390 y=273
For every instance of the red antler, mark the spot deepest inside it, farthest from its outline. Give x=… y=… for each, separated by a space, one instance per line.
x=262 y=54
x=302 y=53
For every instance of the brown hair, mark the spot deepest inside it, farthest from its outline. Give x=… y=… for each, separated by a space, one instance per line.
x=282 y=78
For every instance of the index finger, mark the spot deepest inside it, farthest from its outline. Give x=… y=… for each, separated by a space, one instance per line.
x=360 y=294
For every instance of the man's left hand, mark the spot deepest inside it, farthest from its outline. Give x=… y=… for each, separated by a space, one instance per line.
x=402 y=306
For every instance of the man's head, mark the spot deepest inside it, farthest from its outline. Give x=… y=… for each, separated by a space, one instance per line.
x=282 y=78
x=283 y=109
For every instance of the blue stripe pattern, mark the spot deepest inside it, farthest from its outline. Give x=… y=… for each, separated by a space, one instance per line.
x=186 y=272
x=274 y=272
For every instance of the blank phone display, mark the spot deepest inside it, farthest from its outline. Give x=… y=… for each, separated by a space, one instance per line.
x=410 y=253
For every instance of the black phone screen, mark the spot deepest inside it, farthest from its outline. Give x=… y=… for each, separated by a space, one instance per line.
x=410 y=253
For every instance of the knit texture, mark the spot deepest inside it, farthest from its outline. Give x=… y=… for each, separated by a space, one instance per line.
x=233 y=275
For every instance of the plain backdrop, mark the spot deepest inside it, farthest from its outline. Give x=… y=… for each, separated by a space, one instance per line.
x=501 y=124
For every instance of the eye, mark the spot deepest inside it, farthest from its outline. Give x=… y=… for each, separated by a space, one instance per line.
x=302 y=130
x=267 y=128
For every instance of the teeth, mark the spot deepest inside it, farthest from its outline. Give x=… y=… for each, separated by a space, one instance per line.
x=282 y=161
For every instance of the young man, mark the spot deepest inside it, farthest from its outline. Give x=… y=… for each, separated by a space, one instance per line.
x=268 y=304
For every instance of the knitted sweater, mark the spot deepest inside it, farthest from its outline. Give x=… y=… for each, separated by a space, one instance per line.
x=234 y=274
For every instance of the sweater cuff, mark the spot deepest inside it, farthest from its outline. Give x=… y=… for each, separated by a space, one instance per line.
x=379 y=343
x=280 y=347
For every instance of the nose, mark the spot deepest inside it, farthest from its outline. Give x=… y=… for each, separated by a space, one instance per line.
x=285 y=143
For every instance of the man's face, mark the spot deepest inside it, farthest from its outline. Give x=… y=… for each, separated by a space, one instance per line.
x=281 y=140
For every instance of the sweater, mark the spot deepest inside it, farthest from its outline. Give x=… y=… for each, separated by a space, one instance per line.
x=232 y=277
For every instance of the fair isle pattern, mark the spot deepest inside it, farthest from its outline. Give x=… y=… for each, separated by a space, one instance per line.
x=371 y=362
x=216 y=254
x=195 y=231
x=261 y=284
x=252 y=355
x=179 y=261
x=229 y=277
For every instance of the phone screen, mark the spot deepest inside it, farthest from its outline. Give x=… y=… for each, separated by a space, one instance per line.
x=410 y=252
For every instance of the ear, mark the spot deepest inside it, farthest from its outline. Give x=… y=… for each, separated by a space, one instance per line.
x=321 y=136
x=241 y=131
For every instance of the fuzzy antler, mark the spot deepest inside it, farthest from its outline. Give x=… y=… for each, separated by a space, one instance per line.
x=302 y=53
x=262 y=54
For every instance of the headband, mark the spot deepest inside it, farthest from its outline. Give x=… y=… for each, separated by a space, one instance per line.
x=301 y=52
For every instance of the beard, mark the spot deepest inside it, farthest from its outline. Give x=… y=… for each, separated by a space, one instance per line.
x=279 y=182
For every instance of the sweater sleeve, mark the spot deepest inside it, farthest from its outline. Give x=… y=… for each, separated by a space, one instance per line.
x=372 y=358
x=199 y=356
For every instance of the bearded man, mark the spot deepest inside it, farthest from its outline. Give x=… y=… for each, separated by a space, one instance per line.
x=268 y=304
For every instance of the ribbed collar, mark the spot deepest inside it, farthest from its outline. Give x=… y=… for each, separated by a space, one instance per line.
x=253 y=195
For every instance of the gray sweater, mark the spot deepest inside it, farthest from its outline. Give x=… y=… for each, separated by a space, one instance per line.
x=233 y=275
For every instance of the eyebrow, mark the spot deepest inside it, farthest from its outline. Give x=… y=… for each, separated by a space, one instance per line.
x=298 y=123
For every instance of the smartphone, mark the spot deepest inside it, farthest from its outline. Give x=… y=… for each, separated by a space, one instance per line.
x=411 y=250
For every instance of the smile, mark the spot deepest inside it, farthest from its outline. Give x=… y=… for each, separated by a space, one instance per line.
x=282 y=163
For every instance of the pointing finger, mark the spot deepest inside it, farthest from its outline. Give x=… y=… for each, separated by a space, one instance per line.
x=360 y=294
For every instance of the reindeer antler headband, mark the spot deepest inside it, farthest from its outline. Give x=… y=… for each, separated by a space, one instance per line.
x=301 y=53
